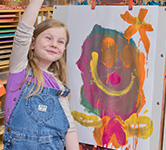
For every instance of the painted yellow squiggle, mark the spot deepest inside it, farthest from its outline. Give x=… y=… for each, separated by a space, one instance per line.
x=84 y=119
x=93 y=66
x=144 y=126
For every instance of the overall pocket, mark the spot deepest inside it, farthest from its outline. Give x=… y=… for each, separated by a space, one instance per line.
x=40 y=108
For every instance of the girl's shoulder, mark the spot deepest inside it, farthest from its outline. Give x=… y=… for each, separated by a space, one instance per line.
x=15 y=79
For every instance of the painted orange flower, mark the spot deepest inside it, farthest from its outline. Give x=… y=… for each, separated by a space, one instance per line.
x=138 y=24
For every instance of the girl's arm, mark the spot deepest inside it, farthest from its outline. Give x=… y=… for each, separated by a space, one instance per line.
x=31 y=12
x=23 y=37
x=71 y=140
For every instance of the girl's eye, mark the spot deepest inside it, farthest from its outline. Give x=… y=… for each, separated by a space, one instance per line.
x=61 y=42
x=47 y=37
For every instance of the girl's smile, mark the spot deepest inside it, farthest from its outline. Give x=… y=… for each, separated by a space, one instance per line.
x=51 y=51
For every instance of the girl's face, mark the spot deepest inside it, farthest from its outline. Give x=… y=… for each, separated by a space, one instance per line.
x=49 y=46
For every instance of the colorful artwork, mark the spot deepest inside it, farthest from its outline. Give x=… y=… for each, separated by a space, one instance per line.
x=115 y=64
x=112 y=68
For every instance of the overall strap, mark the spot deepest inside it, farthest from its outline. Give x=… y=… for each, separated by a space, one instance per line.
x=66 y=92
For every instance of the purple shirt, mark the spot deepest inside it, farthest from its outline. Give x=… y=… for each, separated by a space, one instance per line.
x=14 y=86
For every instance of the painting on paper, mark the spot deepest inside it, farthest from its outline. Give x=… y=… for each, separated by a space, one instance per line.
x=113 y=63
x=113 y=72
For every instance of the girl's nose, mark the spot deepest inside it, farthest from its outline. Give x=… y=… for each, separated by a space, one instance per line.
x=54 y=44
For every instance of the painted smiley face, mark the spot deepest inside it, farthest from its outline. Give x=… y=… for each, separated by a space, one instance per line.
x=112 y=71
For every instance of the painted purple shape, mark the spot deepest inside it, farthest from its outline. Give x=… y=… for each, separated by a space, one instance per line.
x=109 y=105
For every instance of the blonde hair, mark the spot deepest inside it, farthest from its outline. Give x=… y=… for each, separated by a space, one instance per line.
x=58 y=68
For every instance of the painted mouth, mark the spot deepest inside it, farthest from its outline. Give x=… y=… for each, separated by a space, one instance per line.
x=100 y=85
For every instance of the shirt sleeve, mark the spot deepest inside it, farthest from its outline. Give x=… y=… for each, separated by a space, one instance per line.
x=66 y=107
x=21 y=45
x=65 y=104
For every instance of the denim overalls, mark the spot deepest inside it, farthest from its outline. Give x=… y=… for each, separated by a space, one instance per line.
x=37 y=122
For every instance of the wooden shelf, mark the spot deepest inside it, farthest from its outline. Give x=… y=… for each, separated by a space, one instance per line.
x=7 y=37
x=6 y=41
x=2 y=68
x=8 y=26
x=4 y=62
x=8 y=16
x=5 y=51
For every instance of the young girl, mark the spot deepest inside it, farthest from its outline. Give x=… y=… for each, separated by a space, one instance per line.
x=37 y=113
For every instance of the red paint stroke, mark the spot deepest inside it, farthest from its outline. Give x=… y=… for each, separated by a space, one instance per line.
x=114 y=78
